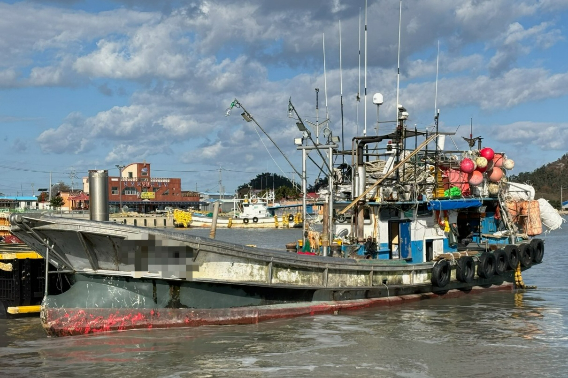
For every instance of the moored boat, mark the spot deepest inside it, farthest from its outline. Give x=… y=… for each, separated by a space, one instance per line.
x=420 y=224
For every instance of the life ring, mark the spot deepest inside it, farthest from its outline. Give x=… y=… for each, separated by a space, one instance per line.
x=501 y=262
x=290 y=218
x=465 y=269
x=512 y=252
x=245 y=220
x=341 y=218
x=538 y=250
x=526 y=255
x=441 y=273
x=255 y=220
x=486 y=266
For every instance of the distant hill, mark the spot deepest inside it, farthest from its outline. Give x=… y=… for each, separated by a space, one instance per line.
x=547 y=180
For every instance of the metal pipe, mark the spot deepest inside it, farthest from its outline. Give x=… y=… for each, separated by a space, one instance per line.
x=98 y=192
x=214 y=220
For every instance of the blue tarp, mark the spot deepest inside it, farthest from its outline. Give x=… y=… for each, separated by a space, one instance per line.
x=453 y=204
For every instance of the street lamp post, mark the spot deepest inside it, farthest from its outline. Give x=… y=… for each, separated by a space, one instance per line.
x=120 y=168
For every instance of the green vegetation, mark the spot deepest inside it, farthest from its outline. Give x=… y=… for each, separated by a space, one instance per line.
x=56 y=202
x=284 y=188
x=547 y=180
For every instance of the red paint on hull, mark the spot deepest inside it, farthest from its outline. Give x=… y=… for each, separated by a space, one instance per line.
x=77 y=321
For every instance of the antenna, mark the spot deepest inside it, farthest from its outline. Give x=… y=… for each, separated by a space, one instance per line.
x=341 y=93
x=398 y=63
x=359 y=91
x=365 y=99
x=436 y=95
x=324 y=77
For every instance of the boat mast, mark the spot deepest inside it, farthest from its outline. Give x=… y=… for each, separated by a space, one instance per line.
x=359 y=78
x=398 y=59
x=365 y=95
x=325 y=78
x=341 y=96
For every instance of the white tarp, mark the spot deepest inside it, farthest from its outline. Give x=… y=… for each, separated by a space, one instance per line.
x=549 y=215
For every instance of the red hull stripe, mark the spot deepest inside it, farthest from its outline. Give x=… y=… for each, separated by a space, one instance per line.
x=77 y=321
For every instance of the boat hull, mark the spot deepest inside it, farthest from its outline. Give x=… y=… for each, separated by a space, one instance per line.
x=81 y=321
x=97 y=303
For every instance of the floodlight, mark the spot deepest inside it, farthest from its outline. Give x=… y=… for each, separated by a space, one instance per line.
x=246 y=116
x=298 y=141
x=301 y=126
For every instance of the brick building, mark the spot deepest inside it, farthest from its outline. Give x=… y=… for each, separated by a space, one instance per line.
x=142 y=192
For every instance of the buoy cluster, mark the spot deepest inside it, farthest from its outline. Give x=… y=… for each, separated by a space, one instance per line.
x=485 y=164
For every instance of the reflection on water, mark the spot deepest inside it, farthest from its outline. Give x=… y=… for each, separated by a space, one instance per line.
x=493 y=334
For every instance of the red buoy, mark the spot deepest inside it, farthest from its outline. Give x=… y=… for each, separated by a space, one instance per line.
x=487 y=153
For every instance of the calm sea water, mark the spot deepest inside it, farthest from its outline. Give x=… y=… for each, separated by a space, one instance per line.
x=493 y=334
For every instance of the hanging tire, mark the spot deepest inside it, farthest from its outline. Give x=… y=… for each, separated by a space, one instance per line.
x=538 y=250
x=465 y=269
x=512 y=252
x=341 y=218
x=501 y=261
x=525 y=255
x=486 y=265
x=441 y=273
x=290 y=218
x=245 y=220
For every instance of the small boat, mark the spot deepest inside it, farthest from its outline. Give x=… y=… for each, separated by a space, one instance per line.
x=248 y=212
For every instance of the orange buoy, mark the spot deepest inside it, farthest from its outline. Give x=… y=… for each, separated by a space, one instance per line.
x=475 y=178
x=495 y=174
x=498 y=160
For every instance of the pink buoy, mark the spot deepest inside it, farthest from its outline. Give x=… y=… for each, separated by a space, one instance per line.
x=498 y=160
x=495 y=174
x=467 y=165
x=475 y=178
x=487 y=153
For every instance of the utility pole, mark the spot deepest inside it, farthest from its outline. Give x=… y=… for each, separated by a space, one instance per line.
x=120 y=168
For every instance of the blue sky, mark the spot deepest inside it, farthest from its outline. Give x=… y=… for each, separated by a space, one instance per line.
x=91 y=84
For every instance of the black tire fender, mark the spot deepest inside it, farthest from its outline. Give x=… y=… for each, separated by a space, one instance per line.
x=441 y=273
x=465 y=269
x=290 y=218
x=538 y=250
x=486 y=265
x=512 y=252
x=501 y=261
x=525 y=255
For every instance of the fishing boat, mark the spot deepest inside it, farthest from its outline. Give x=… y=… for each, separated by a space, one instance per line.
x=248 y=212
x=422 y=223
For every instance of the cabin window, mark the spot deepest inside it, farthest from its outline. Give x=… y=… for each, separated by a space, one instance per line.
x=388 y=213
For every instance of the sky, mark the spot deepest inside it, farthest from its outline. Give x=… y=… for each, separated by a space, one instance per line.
x=94 y=84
